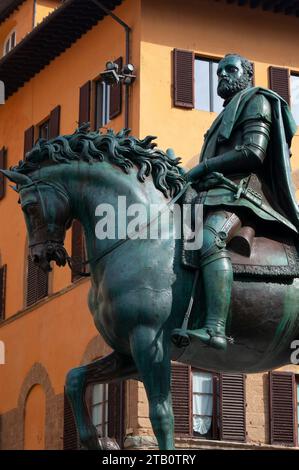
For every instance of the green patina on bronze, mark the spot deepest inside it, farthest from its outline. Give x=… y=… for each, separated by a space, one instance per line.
x=141 y=290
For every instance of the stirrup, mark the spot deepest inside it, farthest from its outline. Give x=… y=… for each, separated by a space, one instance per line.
x=180 y=338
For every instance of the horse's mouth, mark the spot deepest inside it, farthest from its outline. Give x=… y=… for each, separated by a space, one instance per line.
x=43 y=254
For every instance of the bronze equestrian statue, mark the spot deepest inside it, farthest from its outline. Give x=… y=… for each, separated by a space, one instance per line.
x=238 y=145
x=153 y=300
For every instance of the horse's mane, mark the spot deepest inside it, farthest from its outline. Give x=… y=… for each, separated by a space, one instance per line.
x=119 y=148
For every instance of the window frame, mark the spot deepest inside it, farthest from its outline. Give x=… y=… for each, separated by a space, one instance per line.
x=105 y=407
x=211 y=60
x=214 y=433
x=8 y=41
x=293 y=73
x=41 y=125
x=104 y=108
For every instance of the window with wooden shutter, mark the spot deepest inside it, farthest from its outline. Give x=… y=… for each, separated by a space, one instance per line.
x=280 y=82
x=282 y=408
x=84 y=103
x=232 y=407
x=183 y=78
x=78 y=250
x=116 y=94
x=2 y=167
x=54 y=123
x=37 y=283
x=181 y=398
x=70 y=434
x=28 y=139
x=3 y=270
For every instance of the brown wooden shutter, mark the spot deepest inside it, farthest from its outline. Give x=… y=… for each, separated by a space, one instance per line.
x=84 y=103
x=282 y=408
x=2 y=167
x=280 y=82
x=28 y=139
x=78 y=250
x=232 y=407
x=54 y=123
x=37 y=283
x=70 y=434
x=183 y=78
x=116 y=94
x=116 y=411
x=3 y=271
x=181 y=398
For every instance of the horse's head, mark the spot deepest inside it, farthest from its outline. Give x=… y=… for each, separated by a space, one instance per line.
x=47 y=213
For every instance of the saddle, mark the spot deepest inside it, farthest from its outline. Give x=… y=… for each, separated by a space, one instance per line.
x=270 y=256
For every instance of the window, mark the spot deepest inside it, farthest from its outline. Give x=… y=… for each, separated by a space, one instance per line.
x=208 y=405
x=206 y=81
x=203 y=403
x=295 y=97
x=99 y=408
x=297 y=400
x=9 y=43
x=43 y=130
x=102 y=104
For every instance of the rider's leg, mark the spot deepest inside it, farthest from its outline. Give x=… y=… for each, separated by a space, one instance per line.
x=217 y=277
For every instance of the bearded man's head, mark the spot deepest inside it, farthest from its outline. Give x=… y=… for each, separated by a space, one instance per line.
x=234 y=74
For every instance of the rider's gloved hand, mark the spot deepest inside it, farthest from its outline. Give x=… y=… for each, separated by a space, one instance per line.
x=197 y=172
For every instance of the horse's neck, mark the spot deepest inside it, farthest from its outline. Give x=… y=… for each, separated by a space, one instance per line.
x=99 y=187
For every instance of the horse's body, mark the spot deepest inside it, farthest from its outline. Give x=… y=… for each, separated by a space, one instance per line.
x=140 y=292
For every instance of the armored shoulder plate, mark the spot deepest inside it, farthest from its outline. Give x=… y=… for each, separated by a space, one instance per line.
x=258 y=108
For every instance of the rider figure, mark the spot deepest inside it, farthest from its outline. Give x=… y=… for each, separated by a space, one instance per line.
x=246 y=144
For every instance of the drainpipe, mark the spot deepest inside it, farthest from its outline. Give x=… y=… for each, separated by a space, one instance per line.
x=128 y=51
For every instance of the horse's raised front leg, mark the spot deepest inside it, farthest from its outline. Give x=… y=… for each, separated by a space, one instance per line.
x=107 y=369
x=151 y=355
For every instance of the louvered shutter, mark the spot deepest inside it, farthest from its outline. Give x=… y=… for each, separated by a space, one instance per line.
x=116 y=94
x=181 y=398
x=37 y=283
x=28 y=139
x=282 y=408
x=232 y=407
x=54 y=123
x=280 y=82
x=84 y=103
x=183 y=78
x=70 y=434
x=116 y=409
x=2 y=167
x=3 y=270
x=78 y=250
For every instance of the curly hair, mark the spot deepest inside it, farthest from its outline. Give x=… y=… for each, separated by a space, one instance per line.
x=246 y=64
x=118 y=148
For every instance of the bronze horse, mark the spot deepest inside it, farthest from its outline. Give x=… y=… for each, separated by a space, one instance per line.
x=140 y=290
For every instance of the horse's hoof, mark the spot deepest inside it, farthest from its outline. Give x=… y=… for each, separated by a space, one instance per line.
x=180 y=338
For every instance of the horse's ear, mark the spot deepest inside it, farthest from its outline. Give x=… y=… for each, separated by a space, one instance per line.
x=16 y=177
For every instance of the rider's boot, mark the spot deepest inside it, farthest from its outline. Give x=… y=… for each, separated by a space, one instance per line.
x=217 y=275
x=217 y=278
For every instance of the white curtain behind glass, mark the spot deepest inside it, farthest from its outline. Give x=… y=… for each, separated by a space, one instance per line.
x=202 y=402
